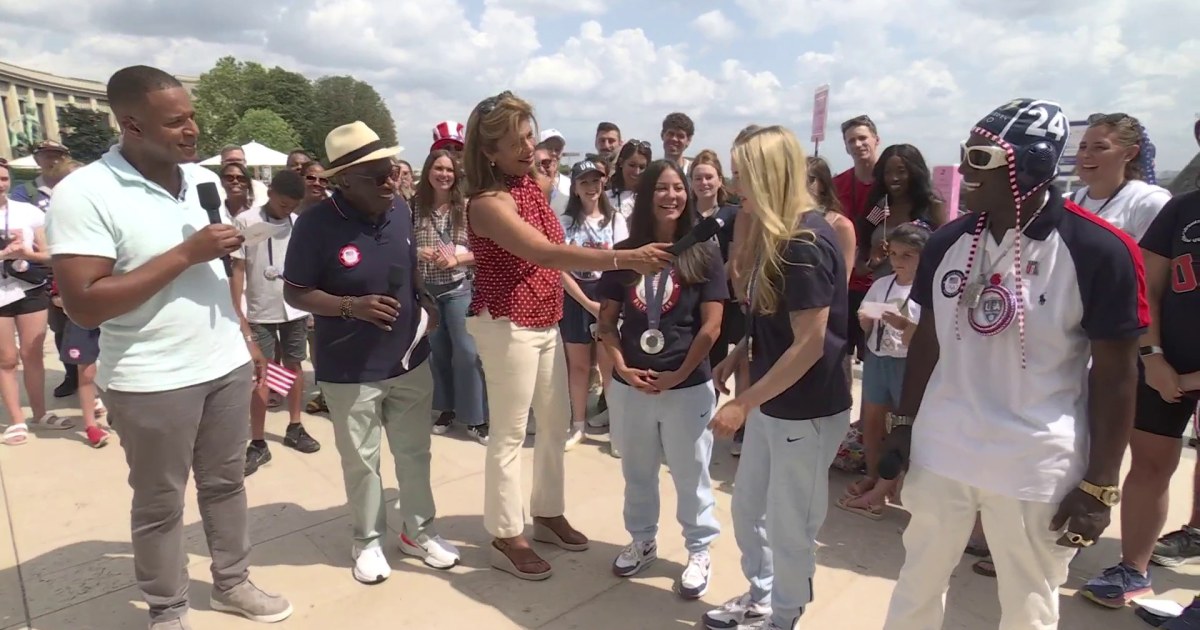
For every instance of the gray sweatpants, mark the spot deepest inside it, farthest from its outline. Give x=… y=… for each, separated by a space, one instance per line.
x=165 y=436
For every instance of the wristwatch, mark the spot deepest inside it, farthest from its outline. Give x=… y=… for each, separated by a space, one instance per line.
x=894 y=421
x=1108 y=495
x=1146 y=351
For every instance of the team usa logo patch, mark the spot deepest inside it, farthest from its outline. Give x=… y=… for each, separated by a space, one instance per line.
x=349 y=256
x=671 y=292
x=996 y=310
x=953 y=283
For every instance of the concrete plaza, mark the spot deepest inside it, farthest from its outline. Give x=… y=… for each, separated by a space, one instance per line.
x=65 y=557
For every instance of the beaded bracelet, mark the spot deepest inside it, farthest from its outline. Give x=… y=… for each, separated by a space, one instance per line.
x=347 y=307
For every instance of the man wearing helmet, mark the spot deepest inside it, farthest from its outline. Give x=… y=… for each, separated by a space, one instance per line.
x=1021 y=293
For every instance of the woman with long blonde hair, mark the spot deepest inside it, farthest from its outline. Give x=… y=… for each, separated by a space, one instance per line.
x=519 y=252
x=798 y=409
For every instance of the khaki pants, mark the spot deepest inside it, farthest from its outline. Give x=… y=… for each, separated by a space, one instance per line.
x=361 y=412
x=523 y=368
x=1030 y=566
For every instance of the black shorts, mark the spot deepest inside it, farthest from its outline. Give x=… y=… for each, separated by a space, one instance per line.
x=856 y=341
x=576 y=323
x=35 y=300
x=1157 y=416
x=80 y=346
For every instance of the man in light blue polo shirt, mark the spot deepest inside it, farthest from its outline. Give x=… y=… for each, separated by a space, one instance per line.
x=134 y=255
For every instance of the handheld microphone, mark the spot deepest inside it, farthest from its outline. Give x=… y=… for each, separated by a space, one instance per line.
x=210 y=200
x=701 y=232
x=891 y=465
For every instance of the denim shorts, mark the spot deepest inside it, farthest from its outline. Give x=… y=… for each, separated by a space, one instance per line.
x=291 y=338
x=576 y=323
x=883 y=378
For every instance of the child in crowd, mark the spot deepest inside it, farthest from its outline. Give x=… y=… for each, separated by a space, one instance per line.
x=887 y=337
x=81 y=348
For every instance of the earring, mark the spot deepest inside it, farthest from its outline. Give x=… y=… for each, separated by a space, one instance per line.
x=492 y=164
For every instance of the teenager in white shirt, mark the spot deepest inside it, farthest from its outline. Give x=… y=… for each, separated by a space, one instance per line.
x=1116 y=164
x=632 y=160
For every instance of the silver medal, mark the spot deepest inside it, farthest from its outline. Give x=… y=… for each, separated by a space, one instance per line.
x=652 y=341
x=270 y=273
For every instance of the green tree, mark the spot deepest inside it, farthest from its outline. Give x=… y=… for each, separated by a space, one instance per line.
x=218 y=99
x=343 y=99
x=85 y=132
x=292 y=96
x=266 y=127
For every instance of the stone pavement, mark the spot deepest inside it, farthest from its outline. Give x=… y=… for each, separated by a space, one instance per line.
x=65 y=558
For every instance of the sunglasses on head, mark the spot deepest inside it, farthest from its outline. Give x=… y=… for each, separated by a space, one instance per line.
x=313 y=179
x=983 y=158
x=639 y=144
x=488 y=105
x=1108 y=119
x=380 y=179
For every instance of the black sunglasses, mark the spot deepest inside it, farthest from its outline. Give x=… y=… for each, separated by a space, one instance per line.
x=379 y=178
x=1107 y=119
x=488 y=105
x=313 y=179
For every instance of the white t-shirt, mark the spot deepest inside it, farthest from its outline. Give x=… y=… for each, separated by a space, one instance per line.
x=1132 y=209
x=263 y=296
x=622 y=203
x=187 y=333
x=591 y=234
x=883 y=340
x=20 y=220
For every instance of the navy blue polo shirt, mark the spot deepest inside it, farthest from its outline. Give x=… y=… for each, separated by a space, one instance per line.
x=336 y=249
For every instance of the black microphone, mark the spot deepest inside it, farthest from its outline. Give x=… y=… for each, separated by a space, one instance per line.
x=210 y=200
x=702 y=231
x=891 y=465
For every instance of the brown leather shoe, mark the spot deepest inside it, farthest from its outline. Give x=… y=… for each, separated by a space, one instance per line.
x=558 y=532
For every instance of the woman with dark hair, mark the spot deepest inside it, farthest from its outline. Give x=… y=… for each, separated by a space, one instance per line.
x=662 y=391
x=633 y=158
x=902 y=193
x=1114 y=161
x=519 y=250
x=404 y=183
x=820 y=186
x=589 y=221
x=444 y=261
x=239 y=194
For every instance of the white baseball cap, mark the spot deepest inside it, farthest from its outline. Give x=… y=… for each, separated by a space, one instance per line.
x=550 y=134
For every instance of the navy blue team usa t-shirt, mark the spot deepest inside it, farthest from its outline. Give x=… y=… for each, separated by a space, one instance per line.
x=1175 y=235
x=814 y=276
x=680 y=319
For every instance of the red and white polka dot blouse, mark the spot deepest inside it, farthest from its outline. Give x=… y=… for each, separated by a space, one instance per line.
x=512 y=287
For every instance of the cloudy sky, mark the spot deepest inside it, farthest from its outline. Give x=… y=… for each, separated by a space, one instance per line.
x=925 y=70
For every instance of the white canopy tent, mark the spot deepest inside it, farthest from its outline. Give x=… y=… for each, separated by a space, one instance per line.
x=25 y=162
x=256 y=155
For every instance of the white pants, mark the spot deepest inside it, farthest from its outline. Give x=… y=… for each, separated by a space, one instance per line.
x=523 y=368
x=1030 y=566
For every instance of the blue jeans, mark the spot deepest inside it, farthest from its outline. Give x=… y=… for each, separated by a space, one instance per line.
x=782 y=487
x=671 y=425
x=457 y=372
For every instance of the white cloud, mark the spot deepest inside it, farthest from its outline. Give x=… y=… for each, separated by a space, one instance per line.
x=716 y=26
x=543 y=7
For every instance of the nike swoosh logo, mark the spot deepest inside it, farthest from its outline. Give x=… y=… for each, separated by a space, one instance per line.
x=705 y=414
x=790 y=440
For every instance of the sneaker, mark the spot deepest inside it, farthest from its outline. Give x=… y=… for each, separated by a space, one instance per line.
x=66 y=388
x=735 y=449
x=576 y=436
x=96 y=436
x=598 y=421
x=1179 y=547
x=479 y=432
x=443 y=422
x=99 y=409
x=297 y=438
x=613 y=451
x=370 y=566
x=693 y=583
x=735 y=612
x=251 y=602
x=179 y=623
x=256 y=457
x=635 y=557
x=435 y=551
x=765 y=624
x=1117 y=586
x=1189 y=620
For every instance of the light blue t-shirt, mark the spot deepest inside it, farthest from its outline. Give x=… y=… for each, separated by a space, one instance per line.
x=187 y=333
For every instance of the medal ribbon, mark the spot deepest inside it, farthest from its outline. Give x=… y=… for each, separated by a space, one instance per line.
x=655 y=296
x=270 y=249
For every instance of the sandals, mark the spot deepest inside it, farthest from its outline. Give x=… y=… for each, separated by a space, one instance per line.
x=317 y=405
x=856 y=489
x=51 y=421
x=524 y=563
x=15 y=434
x=873 y=512
x=570 y=540
x=985 y=567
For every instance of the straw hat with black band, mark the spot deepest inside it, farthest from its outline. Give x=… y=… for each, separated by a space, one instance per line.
x=355 y=143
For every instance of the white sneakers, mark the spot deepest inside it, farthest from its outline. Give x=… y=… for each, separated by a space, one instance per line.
x=635 y=557
x=435 y=550
x=370 y=566
x=576 y=436
x=739 y=612
x=693 y=583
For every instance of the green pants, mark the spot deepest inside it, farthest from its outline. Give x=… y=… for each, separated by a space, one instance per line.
x=361 y=412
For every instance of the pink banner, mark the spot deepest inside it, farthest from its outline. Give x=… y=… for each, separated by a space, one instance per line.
x=946 y=181
x=820 y=110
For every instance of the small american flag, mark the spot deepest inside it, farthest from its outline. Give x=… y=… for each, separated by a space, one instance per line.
x=446 y=250
x=280 y=379
x=879 y=214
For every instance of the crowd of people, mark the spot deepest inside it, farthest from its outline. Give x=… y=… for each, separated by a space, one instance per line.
x=1009 y=355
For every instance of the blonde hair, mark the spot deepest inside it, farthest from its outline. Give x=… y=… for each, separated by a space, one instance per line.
x=491 y=120
x=773 y=173
x=708 y=157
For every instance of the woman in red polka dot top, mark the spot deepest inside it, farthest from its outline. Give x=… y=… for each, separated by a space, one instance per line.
x=519 y=252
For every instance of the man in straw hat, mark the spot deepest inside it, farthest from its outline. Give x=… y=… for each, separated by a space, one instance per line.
x=352 y=264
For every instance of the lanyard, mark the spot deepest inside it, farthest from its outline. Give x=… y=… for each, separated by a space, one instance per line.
x=445 y=236
x=1100 y=210
x=879 y=329
x=655 y=294
x=270 y=249
x=749 y=337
